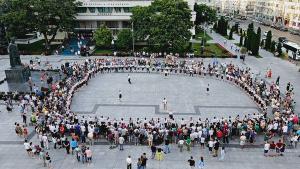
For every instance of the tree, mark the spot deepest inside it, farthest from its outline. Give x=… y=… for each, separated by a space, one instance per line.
x=3 y=39
x=262 y=43
x=204 y=14
x=279 y=50
x=250 y=32
x=103 y=37
x=268 y=40
x=124 y=41
x=272 y=49
x=222 y=26
x=246 y=42
x=241 y=40
x=256 y=42
x=231 y=33
x=164 y=25
x=44 y=16
x=236 y=28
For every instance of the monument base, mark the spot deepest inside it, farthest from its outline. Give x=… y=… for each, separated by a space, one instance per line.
x=17 y=74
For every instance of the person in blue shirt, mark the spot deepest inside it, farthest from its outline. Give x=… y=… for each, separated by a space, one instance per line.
x=73 y=145
x=201 y=163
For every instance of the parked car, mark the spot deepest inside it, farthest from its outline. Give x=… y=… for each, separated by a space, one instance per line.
x=285 y=29
x=295 y=32
x=265 y=33
x=266 y=24
x=282 y=39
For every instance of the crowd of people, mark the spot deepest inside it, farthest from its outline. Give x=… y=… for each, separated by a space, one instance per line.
x=58 y=127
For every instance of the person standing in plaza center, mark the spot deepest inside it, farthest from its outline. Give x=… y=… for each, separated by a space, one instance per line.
x=207 y=89
x=167 y=148
x=165 y=102
x=191 y=162
x=120 y=95
x=121 y=142
x=88 y=153
x=129 y=79
x=129 y=162
x=144 y=161
x=48 y=160
x=201 y=163
x=222 y=154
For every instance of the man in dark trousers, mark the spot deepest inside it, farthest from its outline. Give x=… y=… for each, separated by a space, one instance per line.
x=129 y=80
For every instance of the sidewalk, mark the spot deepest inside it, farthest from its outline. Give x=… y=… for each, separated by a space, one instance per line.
x=287 y=71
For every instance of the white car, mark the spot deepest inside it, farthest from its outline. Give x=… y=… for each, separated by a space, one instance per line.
x=265 y=33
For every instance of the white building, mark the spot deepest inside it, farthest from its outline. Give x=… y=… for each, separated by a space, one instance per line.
x=115 y=14
x=282 y=12
x=246 y=8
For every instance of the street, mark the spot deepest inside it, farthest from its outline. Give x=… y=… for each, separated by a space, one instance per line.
x=275 y=33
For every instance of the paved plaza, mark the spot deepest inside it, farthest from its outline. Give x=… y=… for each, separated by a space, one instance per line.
x=187 y=98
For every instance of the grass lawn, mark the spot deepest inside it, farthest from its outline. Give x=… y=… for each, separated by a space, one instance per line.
x=103 y=51
x=36 y=47
x=210 y=49
x=200 y=34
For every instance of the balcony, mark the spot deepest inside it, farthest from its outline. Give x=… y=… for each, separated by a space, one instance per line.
x=103 y=16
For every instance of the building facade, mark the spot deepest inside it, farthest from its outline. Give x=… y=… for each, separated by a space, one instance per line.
x=115 y=14
x=277 y=12
x=280 y=12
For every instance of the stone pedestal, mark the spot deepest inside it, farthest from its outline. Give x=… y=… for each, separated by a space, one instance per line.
x=18 y=74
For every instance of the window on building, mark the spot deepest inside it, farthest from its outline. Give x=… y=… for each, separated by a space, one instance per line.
x=100 y=23
x=112 y=24
x=105 y=10
x=81 y=10
x=127 y=9
x=92 y=10
x=118 y=9
x=126 y=24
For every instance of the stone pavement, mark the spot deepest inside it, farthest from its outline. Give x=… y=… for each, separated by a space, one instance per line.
x=287 y=71
x=181 y=93
x=186 y=97
x=104 y=158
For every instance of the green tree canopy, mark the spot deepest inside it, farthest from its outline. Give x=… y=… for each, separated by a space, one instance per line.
x=45 y=16
x=103 y=37
x=124 y=41
x=268 y=40
x=279 y=50
x=204 y=13
x=231 y=33
x=222 y=25
x=273 y=44
x=164 y=25
x=241 y=40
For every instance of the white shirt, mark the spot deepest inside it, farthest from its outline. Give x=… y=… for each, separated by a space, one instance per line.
x=121 y=140
x=267 y=146
x=27 y=146
x=180 y=142
x=284 y=129
x=128 y=160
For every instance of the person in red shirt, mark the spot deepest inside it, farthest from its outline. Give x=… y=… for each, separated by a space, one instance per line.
x=272 y=148
x=219 y=134
x=279 y=147
x=295 y=119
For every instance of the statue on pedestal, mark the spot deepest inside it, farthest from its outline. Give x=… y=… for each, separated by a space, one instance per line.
x=17 y=73
x=14 y=55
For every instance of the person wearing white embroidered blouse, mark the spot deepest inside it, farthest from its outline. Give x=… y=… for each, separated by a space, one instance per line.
x=129 y=162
